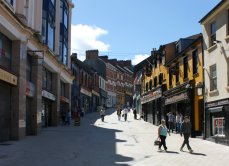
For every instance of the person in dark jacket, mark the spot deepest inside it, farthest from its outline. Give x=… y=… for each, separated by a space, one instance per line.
x=186 y=131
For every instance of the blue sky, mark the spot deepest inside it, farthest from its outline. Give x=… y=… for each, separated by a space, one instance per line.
x=130 y=29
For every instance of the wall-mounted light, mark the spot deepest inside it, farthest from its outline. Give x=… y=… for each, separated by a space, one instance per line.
x=199 y=89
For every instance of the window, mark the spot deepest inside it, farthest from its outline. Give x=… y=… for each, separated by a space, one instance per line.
x=29 y=68
x=5 y=51
x=11 y=2
x=195 y=61
x=161 y=78
x=177 y=72
x=47 y=80
x=185 y=61
x=48 y=23
x=147 y=86
x=62 y=88
x=155 y=82
x=213 y=33
x=150 y=84
x=170 y=77
x=213 y=78
x=63 y=43
x=218 y=128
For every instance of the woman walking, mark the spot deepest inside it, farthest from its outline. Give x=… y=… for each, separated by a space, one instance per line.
x=162 y=134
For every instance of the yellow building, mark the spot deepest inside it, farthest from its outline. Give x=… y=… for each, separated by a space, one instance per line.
x=184 y=81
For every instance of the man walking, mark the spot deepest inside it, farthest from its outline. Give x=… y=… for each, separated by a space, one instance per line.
x=186 y=131
x=171 y=120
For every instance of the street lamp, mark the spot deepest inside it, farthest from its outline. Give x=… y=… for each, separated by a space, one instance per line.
x=199 y=89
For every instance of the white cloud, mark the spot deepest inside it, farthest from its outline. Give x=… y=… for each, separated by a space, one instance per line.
x=86 y=37
x=138 y=58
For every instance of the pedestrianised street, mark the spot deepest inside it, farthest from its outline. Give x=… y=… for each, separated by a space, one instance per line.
x=108 y=143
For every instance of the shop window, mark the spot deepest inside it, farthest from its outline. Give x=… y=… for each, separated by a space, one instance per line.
x=195 y=61
x=212 y=33
x=213 y=78
x=218 y=128
x=5 y=51
x=185 y=61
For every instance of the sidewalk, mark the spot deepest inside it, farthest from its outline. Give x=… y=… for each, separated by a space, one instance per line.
x=109 y=143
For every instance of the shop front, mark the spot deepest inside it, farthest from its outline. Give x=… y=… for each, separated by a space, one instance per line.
x=180 y=100
x=217 y=121
x=95 y=100
x=47 y=103
x=85 y=98
x=152 y=106
x=7 y=82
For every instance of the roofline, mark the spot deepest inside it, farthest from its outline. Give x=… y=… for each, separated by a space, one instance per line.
x=213 y=10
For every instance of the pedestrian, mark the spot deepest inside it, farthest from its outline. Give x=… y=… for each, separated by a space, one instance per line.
x=162 y=134
x=178 y=122
x=77 y=117
x=171 y=121
x=125 y=112
x=69 y=117
x=102 y=113
x=135 y=113
x=186 y=131
x=63 y=117
x=119 y=112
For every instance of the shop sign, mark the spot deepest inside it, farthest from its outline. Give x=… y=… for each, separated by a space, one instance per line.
x=217 y=103
x=95 y=93
x=48 y=95
x=85 y=92
x=30 y=89
x=176 y=98
x=8 y=77
x=64 y=99
x=151 y=96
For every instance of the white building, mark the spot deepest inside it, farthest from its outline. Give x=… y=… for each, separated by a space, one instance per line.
x=215 y=27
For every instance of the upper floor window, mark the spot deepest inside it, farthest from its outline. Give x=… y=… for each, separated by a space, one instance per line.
x=48 y=23
x=213 y=78
x=62 y=88
x=63 y=43
x=29 y=68
x=185 y=62
x=195 y=61
x=161 y=78
x=213 y=33
x=47 y=80
x=155 y=82
x=170 y=77
x=177 y=72
x=147 y=87
x=5 y=51
x=150 y=84
x=11 y=2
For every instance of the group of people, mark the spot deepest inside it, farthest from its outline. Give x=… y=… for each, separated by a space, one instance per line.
x=184 y=130
x=75 y=115
x=174 y=121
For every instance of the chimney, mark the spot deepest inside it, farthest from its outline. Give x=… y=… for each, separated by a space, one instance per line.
x=74 y=56
x=104 y=58
x=113 y=62
x=92 y=54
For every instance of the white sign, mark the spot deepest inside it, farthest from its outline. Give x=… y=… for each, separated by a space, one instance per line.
x=48 y=95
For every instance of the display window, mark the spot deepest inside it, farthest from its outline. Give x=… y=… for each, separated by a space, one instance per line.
x=218 y=128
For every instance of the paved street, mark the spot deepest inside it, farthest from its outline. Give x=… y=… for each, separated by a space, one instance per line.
x=108 y=143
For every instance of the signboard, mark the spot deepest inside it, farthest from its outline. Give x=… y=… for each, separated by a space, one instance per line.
x=217 y=103
x=62 y=98
x=176 y=98
x=151 y=96
x=85 y=92
x=48 y=95
x=30 y=89
x=8 y=77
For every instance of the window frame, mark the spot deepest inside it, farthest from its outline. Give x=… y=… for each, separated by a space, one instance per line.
x=195 y=61
x=185 y=63
x=212 y=33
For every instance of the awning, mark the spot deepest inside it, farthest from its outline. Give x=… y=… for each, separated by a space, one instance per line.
x=216 y=109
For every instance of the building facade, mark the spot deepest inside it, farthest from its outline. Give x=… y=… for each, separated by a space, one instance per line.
x=215 y=27
x=29 y=65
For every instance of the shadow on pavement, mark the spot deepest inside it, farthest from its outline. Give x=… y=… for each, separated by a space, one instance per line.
x=174 y=152
x=198 y=154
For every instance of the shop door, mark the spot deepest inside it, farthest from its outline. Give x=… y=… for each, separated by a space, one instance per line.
x=5 y=102
x=46 y=113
